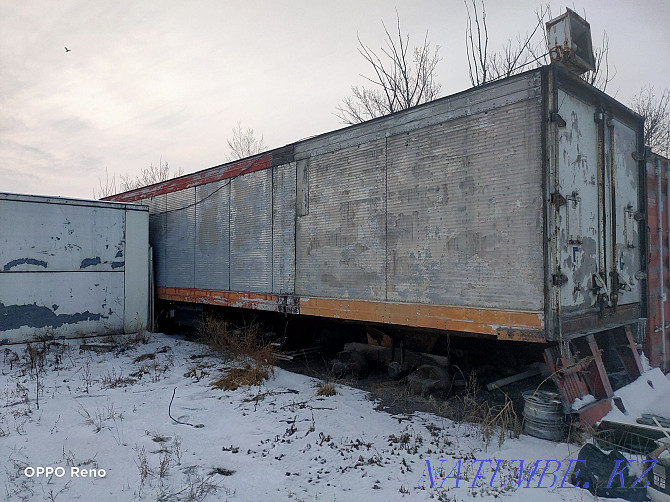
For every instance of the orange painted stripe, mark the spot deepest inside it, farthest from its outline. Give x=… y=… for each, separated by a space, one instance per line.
x=505 y=324
x=469 y=320
x=257 y=301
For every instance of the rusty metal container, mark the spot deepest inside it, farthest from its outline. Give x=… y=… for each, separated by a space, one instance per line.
x=658 y=214
x=569 y=40
x=514 y=210
x=543 y=415
x=71 y=267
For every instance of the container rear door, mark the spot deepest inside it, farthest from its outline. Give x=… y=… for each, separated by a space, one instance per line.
x=596 y=202
x=577 y=198
x=625 y=288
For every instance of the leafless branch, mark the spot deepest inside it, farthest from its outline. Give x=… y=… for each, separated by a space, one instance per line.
x=148 y=176
x=601 y=76
x=107 y=188
x=515 y=55
x=402 y=78
x=244 y=143
x=656 y=111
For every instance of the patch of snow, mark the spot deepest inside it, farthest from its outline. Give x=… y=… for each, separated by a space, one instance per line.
x=278 y=441
x=650 y=393
x=583 y=401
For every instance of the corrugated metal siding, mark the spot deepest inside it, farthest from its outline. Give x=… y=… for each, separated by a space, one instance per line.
x=180 y=252
x=465 y=211
x=251 y=232
x=283 y=228
x=467 y=103
x=212 y=242
x=341 y=242
x=158 y=235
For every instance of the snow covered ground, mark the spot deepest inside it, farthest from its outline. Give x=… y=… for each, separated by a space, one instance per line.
x=107 y=414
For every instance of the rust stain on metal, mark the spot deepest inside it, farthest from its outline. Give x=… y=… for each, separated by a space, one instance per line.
x=258 y=301
x=191 y=180
x=521 y=335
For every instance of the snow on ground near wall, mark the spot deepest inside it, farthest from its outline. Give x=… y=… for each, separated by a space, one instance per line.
x=279 y=441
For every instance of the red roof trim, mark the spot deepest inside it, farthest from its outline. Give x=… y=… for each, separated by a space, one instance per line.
x=199 y=178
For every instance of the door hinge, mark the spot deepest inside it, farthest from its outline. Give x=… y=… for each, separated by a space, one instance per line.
x=621 y=283
x=599 y=284
x=555 y=117
x=559 y=279
x=558 y=200
x=637 y=156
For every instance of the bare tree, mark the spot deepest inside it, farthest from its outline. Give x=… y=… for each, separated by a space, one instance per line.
x=107 y=188
x=148 y=176
x=477 y=44
x=518 y=55
x=656 y=112
x=244 y=143
x=600 y=76
x=402 y=78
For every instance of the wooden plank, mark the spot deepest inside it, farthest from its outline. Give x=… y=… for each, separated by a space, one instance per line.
x=514 y=378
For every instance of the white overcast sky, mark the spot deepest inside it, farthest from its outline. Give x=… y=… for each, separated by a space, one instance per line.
x=151 y=79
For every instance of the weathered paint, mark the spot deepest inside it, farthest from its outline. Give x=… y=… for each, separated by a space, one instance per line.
x=626 y=256
x=508 y=325
x=457 y=234
x=65 y=266
x=218 y=173
x=136 y=275
x=596 y=249
x=24 y=261
x=69 y=237
x=17 y=316
x=246 y=300
x=60 y=304
x=442 y=317
x=578 y=219
x=340 y=243
x=445 y=204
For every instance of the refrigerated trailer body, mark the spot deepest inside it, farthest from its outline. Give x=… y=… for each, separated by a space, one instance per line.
x=512 y=210
x=71 y=267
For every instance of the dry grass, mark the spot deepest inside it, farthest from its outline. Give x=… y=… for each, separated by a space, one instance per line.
x=112 y=380
x=144 y=357
x=326 y=389
x=500 y=419
x=252 y=357
x=241 y=377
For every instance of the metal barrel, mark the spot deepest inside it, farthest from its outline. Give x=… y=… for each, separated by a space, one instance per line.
x=543 y=415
